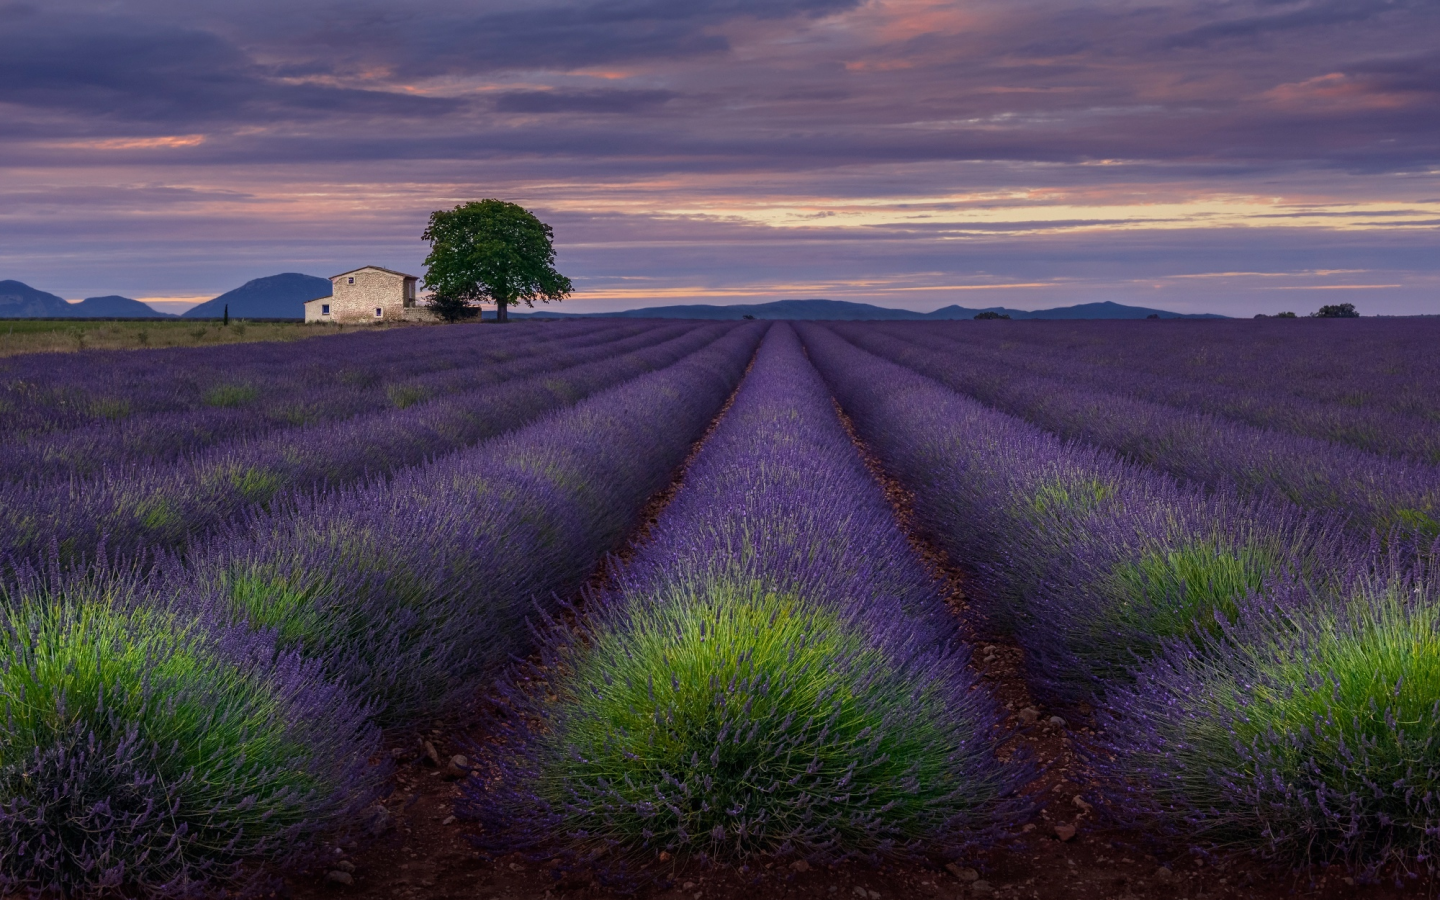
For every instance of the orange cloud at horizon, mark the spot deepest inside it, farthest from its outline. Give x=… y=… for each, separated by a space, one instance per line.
x=152 y=143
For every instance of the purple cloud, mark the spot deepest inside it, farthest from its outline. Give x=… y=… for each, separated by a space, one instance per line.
x=732 y=146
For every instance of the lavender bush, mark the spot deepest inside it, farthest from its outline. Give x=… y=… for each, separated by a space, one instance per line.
x=1308 y=731
x=1378 y=492
x=415 y=589
x=144 y=751
x=46 y=393
x=166 y=727
x=774 y=674
x=1092 y=561
x=1127 y=579
x=1371 y=384
x=169 y=506
x=253 y=402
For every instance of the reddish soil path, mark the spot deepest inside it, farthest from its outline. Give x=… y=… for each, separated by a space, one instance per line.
x=424 y=853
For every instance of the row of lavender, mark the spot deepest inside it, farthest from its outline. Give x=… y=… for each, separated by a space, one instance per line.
x=1265 y=679
x=773 y=674
x=46 y=393
x=1375 y=491
x=1374 y=384
x=392 y=581
x=150 y=506
x=249 y=403
x=167 y=724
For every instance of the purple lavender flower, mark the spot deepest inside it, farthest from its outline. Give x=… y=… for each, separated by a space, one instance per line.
x=774 y=673
x=129 y=419
x=1370 y=384
x=414 y=589
x=1090 y=560
x=170 y=506
x=1377 y=491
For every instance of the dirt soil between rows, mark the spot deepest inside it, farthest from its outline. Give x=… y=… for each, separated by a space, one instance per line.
x=1065 y=853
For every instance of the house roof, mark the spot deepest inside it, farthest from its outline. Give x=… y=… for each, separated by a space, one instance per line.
x=377 y=268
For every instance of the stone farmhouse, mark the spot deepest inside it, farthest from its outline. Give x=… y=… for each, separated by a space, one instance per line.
x=368 y=294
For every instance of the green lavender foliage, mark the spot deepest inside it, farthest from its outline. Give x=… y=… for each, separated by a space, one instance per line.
x=1309 y=731
x=774 y=673
x=142 y=751
x=739 y=721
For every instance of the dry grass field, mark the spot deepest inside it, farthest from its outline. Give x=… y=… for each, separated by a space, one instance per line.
x=69 y=335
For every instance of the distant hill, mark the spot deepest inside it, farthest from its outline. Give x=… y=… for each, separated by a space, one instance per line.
x=116 y=308
x=778 y=309
x=276 y=297
x=846 y=310
x=1103 y=310
x=20 y=301
x=283 y=297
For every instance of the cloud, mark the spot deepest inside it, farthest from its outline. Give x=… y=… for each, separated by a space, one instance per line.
x=433 y=37
x=1417 y=75
x=581 y=101
x=152 y=72
x=780 y=84
x=719 y=144
x=1269 y=18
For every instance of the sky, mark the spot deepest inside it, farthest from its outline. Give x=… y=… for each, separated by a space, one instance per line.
x=1230 y=156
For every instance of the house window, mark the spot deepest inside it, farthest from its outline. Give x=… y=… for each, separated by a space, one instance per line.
x=324 y=309
x=379 y=312
x=350 y=280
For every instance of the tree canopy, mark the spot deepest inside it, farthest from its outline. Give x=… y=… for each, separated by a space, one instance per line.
x=1338 y=311
x=492 y=251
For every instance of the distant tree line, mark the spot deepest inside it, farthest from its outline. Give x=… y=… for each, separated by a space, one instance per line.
x=1336 y=311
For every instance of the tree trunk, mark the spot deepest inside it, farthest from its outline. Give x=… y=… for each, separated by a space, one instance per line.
x=500 y=311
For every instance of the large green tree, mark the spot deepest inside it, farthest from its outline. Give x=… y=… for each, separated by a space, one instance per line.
x=492 y=251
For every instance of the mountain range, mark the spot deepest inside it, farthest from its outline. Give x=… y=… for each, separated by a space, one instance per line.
x=275 y=297
x=283 y=297
x=20 y=301
x=844 y=309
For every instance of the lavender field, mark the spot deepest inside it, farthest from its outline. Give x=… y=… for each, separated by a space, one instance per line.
x=690 y=589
